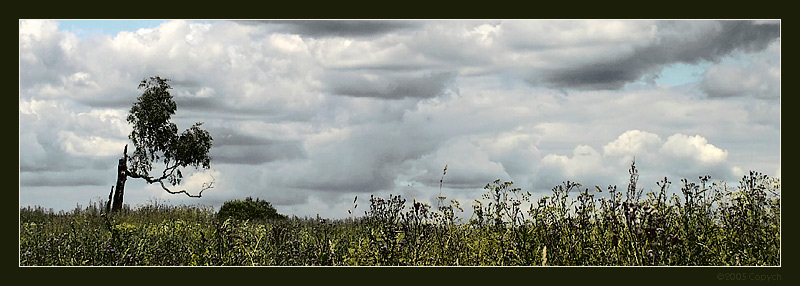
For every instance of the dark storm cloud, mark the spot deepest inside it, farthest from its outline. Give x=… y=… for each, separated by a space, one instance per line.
x=232 y=147
x=123 y=97
x=255 y=155
x=749 y=36
x=303 y=118
x=610 y=75
x=389 y=86
x=348 y=28
x=204 y=108
x=710 y=44
x=678 y=42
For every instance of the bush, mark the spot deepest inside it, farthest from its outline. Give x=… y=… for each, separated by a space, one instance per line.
x=249 y=209
x=700 y=223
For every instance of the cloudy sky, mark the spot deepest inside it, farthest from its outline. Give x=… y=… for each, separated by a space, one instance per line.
x=310 y=114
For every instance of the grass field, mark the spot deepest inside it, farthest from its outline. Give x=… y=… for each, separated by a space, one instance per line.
x=702 y=223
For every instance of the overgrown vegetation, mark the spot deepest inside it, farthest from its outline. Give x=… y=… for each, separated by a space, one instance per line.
x=249 y=209
x=702 y=223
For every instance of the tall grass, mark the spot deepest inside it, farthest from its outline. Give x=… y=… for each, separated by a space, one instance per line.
x=700 y=223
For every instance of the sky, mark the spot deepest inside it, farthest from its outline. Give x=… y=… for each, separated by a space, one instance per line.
x=310 y=114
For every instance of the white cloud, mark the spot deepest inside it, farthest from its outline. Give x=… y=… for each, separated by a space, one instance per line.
x=632 y=142
x=37 y=30
x=469 y=165
x=695 y=148
x=631 y=145
x=554 y=35
x=288 y=43
x=38 y=108
x=37 y=38
x=759 y=76
x=680 y=156
x=585 y=165
x=515 y=150
x=309 y=115
x=194 y=182
x=89 y=146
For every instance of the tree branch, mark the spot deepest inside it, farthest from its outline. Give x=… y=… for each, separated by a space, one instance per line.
x=160 y=180
x=206 y=186
x=150 y=179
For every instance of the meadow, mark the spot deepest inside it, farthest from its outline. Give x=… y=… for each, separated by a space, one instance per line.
x=699 y=223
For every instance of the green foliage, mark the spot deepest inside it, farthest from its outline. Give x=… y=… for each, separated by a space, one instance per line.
x=503 y=207
x=702 y=223
x=156 y=138
x=249 y=209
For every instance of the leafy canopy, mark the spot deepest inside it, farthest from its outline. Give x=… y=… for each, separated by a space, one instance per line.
x=155 y=138
x=249 y=209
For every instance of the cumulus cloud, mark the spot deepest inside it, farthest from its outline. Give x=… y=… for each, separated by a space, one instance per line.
x=679 y=156
x=585 y=164
x=90 y=146
x=61 y=136
x=693 y=147
x=632 y=142
x=44 y=53
x=308 y=114
x=469 y=166
x=515 y=150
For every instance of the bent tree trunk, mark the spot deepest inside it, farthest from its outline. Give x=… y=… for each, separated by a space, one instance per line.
x=122 y=176
x=115 y=197
x=155 y=137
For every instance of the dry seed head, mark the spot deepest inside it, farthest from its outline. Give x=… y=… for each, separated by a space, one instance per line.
x=544 y=256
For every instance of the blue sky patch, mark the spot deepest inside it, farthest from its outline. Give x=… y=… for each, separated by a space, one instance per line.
x=82 y=28
x=681 y=73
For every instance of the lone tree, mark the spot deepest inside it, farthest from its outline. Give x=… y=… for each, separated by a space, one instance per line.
x=156 y=139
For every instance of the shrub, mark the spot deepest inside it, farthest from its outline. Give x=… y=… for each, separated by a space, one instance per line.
x=249 y=209
x=697 y=224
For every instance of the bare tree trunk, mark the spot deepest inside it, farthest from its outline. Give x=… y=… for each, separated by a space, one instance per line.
x=108 y=203
x=122 y=176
